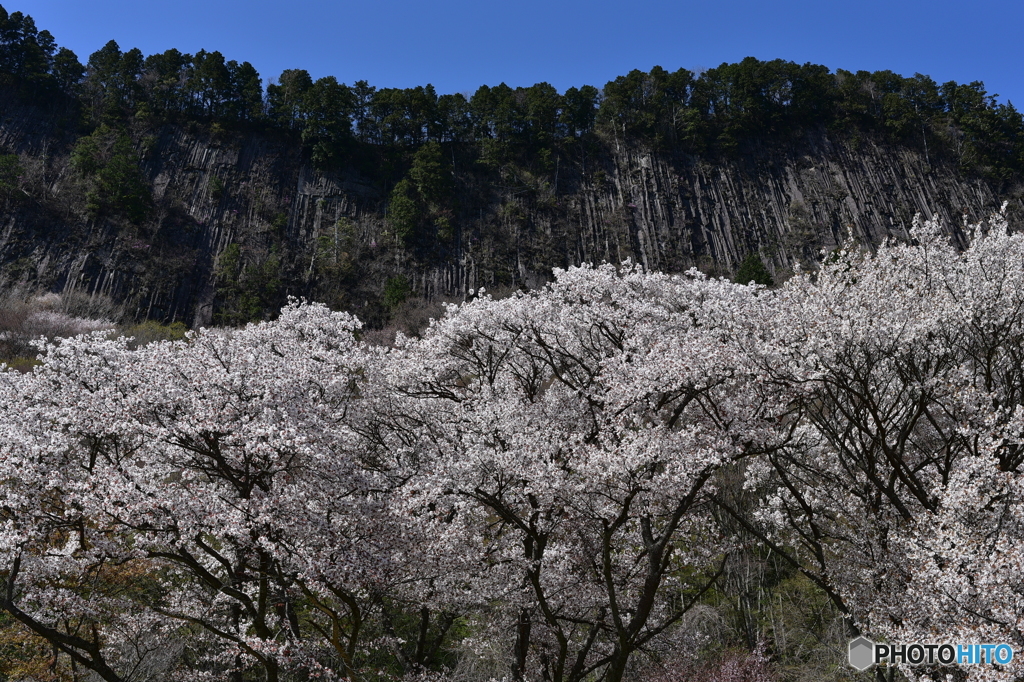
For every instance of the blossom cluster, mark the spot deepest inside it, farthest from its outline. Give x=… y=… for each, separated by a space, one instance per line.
x=564 y=471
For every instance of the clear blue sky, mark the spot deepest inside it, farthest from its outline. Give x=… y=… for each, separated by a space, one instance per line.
x=459 y=45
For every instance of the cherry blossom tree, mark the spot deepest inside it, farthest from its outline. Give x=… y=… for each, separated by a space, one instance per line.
x=563 y=471
x=897 y=494
x=569 y=438
x=199 y=490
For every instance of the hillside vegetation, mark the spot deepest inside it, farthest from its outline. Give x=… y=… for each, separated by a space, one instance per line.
x=179 y=187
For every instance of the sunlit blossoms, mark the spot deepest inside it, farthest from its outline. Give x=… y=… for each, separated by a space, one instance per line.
x=561 y=475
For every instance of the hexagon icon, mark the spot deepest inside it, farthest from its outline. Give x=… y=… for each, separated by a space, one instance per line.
x=862 y=653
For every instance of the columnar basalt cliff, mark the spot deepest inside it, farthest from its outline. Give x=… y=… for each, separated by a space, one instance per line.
x=257 y=197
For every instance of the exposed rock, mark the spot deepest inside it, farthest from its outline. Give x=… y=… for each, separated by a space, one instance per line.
x=668 y=212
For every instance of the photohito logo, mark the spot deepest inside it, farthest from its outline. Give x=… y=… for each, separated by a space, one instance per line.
x=864 y=653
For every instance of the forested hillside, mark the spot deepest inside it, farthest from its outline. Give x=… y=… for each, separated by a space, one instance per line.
x=179 y=187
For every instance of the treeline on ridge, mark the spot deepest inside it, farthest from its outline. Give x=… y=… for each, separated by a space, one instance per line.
x=706 y=113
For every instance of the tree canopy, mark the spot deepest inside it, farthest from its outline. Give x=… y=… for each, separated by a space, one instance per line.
x=565 y=472
x=713 y=112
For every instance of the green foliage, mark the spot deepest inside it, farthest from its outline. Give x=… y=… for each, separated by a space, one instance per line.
x=286 y=97
x=85 y=157
x=579 y=110
x=718 y=111
x=420 y=207
x=247 y=291
x=404 y=212
x=396 y=290
x=431 y=174
x=279 y=223
x=425 y=638
x=453 y=122
x=229 y=265
x=24 y=656
x=113 y=86
x=209 y=83
x=120 y=182
x=216 y=187
x=244 y=100
x=26 y=53
x=326 y=108
x=541 y=104
x=402 y=116
x=110 y=165
x=151 y=331
x=67 y=71
x=497 y=121
x=642 y=104
x=10 y=173
x=752 y=269
x=166 y=73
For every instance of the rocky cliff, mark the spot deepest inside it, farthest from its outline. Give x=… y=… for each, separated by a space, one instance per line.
x=254 y=195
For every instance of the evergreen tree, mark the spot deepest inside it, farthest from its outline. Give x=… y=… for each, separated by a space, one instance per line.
x=209 y=85
x=286 y=98
x=327 y=124
x=67 y=71
x=579 y=110
x=752 y=269
x=420 y=206
x=108 y=161
x=26 y=53
x=165 y=76
x=245 y=102
x=453 y=122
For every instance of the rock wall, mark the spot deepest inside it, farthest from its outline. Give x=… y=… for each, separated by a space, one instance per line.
x=667 y=211
x=786 y=204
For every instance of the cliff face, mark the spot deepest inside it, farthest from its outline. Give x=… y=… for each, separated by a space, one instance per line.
x=672 y=214
x=602 y=201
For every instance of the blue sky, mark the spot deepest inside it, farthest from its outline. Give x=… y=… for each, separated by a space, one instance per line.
x=459 y=45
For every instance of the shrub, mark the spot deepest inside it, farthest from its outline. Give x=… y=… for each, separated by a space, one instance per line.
x=752 y=269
